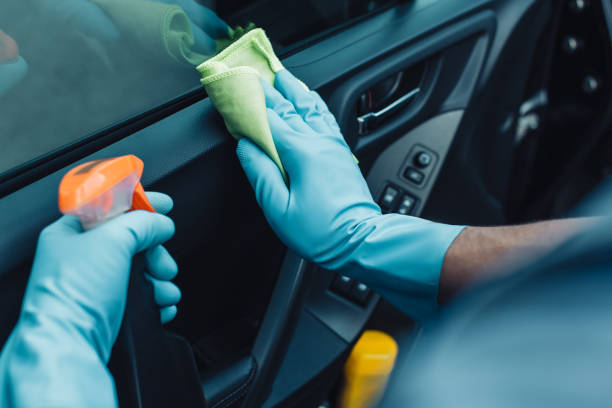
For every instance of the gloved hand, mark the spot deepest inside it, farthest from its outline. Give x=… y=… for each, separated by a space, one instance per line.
x=74 y=304
x=13 y=68
x=205 y=24
x=327 y=213
x=161 y=267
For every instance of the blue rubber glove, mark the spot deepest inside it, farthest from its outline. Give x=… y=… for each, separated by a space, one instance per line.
x=161 y=267
x=80 y=15
x=328 y=216
x=73 y=308
x=205 y=24
x=11 y=73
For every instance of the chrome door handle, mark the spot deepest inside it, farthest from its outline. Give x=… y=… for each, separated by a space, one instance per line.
x=365 y=121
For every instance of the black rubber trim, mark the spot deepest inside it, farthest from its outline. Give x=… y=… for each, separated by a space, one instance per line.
x=18 y=177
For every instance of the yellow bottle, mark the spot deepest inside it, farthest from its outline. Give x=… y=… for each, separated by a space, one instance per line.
x=367 y=370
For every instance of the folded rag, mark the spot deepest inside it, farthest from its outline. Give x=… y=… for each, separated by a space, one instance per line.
x=232 y=81
x=163 y=30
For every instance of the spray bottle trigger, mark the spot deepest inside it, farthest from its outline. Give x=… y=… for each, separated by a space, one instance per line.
x=140 y=201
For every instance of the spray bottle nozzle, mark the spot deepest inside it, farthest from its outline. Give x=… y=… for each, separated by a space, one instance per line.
x=99 y=190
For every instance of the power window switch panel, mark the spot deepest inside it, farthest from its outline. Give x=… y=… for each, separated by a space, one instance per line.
x=342 y=285
x=360 y=293
x=388 y=198
x=406 y=205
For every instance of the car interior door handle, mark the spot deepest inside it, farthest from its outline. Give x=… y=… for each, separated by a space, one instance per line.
x=366 y=121
x=248 y=381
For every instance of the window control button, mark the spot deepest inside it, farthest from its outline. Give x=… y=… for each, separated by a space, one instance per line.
x=414 y=175
x=342 y=285
x=360 y=293
x=388 y=197
x=406 y=205
x=423 y=159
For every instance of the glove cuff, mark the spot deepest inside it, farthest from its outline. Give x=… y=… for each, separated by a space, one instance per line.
x=401 y=258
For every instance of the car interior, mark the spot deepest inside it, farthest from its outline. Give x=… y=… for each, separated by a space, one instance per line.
x=481 y=112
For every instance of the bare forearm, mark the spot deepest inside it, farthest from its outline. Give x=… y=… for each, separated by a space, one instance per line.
x=478 y=251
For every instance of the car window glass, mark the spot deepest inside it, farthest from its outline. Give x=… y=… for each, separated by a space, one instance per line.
x=70 y=68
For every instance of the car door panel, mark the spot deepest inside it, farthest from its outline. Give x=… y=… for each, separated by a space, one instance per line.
x=263 y=326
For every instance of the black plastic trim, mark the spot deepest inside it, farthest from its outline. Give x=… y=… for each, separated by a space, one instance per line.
x=42 y=166
x=278 y=326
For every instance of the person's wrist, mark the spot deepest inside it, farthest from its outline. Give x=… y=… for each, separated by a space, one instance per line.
x=377 y=229
x=400 y=253
x=66 y=332
x=39 y=345
x=69 y=322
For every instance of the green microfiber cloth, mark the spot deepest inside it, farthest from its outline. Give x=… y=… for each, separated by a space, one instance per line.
x=232 y=81
x=162 y=30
